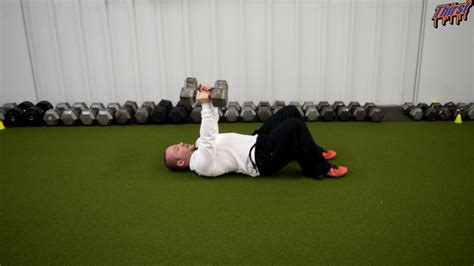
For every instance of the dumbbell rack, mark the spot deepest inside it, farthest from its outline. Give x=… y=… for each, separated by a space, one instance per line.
x=28 y=114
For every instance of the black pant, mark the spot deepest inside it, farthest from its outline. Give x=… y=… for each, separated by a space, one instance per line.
x=284 y=137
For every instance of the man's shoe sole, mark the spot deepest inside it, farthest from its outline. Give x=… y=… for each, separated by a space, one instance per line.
x=330 y=176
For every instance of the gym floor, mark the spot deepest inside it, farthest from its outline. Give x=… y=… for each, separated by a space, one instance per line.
x=101 y=195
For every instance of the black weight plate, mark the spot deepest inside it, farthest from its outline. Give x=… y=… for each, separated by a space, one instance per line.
x=14 y=117
x=26 y=105
x=45 y=105
x=33 y=116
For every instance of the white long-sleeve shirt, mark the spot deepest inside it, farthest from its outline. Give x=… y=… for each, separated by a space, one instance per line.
x=218 y=154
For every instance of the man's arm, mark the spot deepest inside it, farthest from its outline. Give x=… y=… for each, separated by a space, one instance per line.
x=206 y=153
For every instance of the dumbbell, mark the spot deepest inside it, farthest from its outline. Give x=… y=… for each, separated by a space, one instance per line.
x=462 y=109
x=14 y=114
x=196 y=113
x=126 y=113
x=452 y=106
x=221 y=111
x=374 y=113
x=70 y=116
x=448 y=108
x=264 y=111
x=310 y=111
x=277 y=105
x=407 y=107
x=248 y=113
x=180 y=113
x=357 y=111
x=52 y=117
x=342 y=112
x=457 y=109
x=34 y=115
x=5 y=108
x=79 y=107
x=63 y=106
x=435 y=111
x=142 y=115
x=423 y=106
x=89 y=115
x=105 y=116
x=326 y=111
x=9 y=106
x=159 y=114
x=470 y=112
x=232 y=112
x=418 y=111
x=219 y=93
x=2 y=114
x=298 y=106
x=430 y=112
x=443 y=112
x=414 y=112
x=187 y=94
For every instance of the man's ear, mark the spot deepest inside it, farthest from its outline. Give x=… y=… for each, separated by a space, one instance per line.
x=180 y=163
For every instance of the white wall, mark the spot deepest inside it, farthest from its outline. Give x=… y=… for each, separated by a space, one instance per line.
x=447 y=69
x=115 y=50
x=16 y=77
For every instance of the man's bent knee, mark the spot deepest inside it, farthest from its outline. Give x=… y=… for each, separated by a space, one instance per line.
x=295 y=122
x=291 y=110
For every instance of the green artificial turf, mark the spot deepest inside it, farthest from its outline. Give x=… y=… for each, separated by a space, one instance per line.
x=101 y=195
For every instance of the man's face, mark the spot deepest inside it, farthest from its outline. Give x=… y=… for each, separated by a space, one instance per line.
x=181 y=151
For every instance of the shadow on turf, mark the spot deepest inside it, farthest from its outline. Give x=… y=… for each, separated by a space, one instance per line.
x=290 y=172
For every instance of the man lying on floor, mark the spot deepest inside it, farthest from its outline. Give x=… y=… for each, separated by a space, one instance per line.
x=284 y=137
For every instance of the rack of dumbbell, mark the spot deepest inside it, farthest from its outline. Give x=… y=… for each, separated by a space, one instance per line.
x=188 y=111
x=437 y=111
x=43 y=113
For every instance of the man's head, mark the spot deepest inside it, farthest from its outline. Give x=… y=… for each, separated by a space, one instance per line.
x=177 y=156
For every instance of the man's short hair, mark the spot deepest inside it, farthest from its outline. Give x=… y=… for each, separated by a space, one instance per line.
x=171 y=163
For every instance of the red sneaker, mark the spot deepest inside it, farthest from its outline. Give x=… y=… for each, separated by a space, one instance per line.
x=337 y=171
x=329 y=154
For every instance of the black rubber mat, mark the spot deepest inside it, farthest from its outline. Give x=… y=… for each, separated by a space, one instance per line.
x=393 y=113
